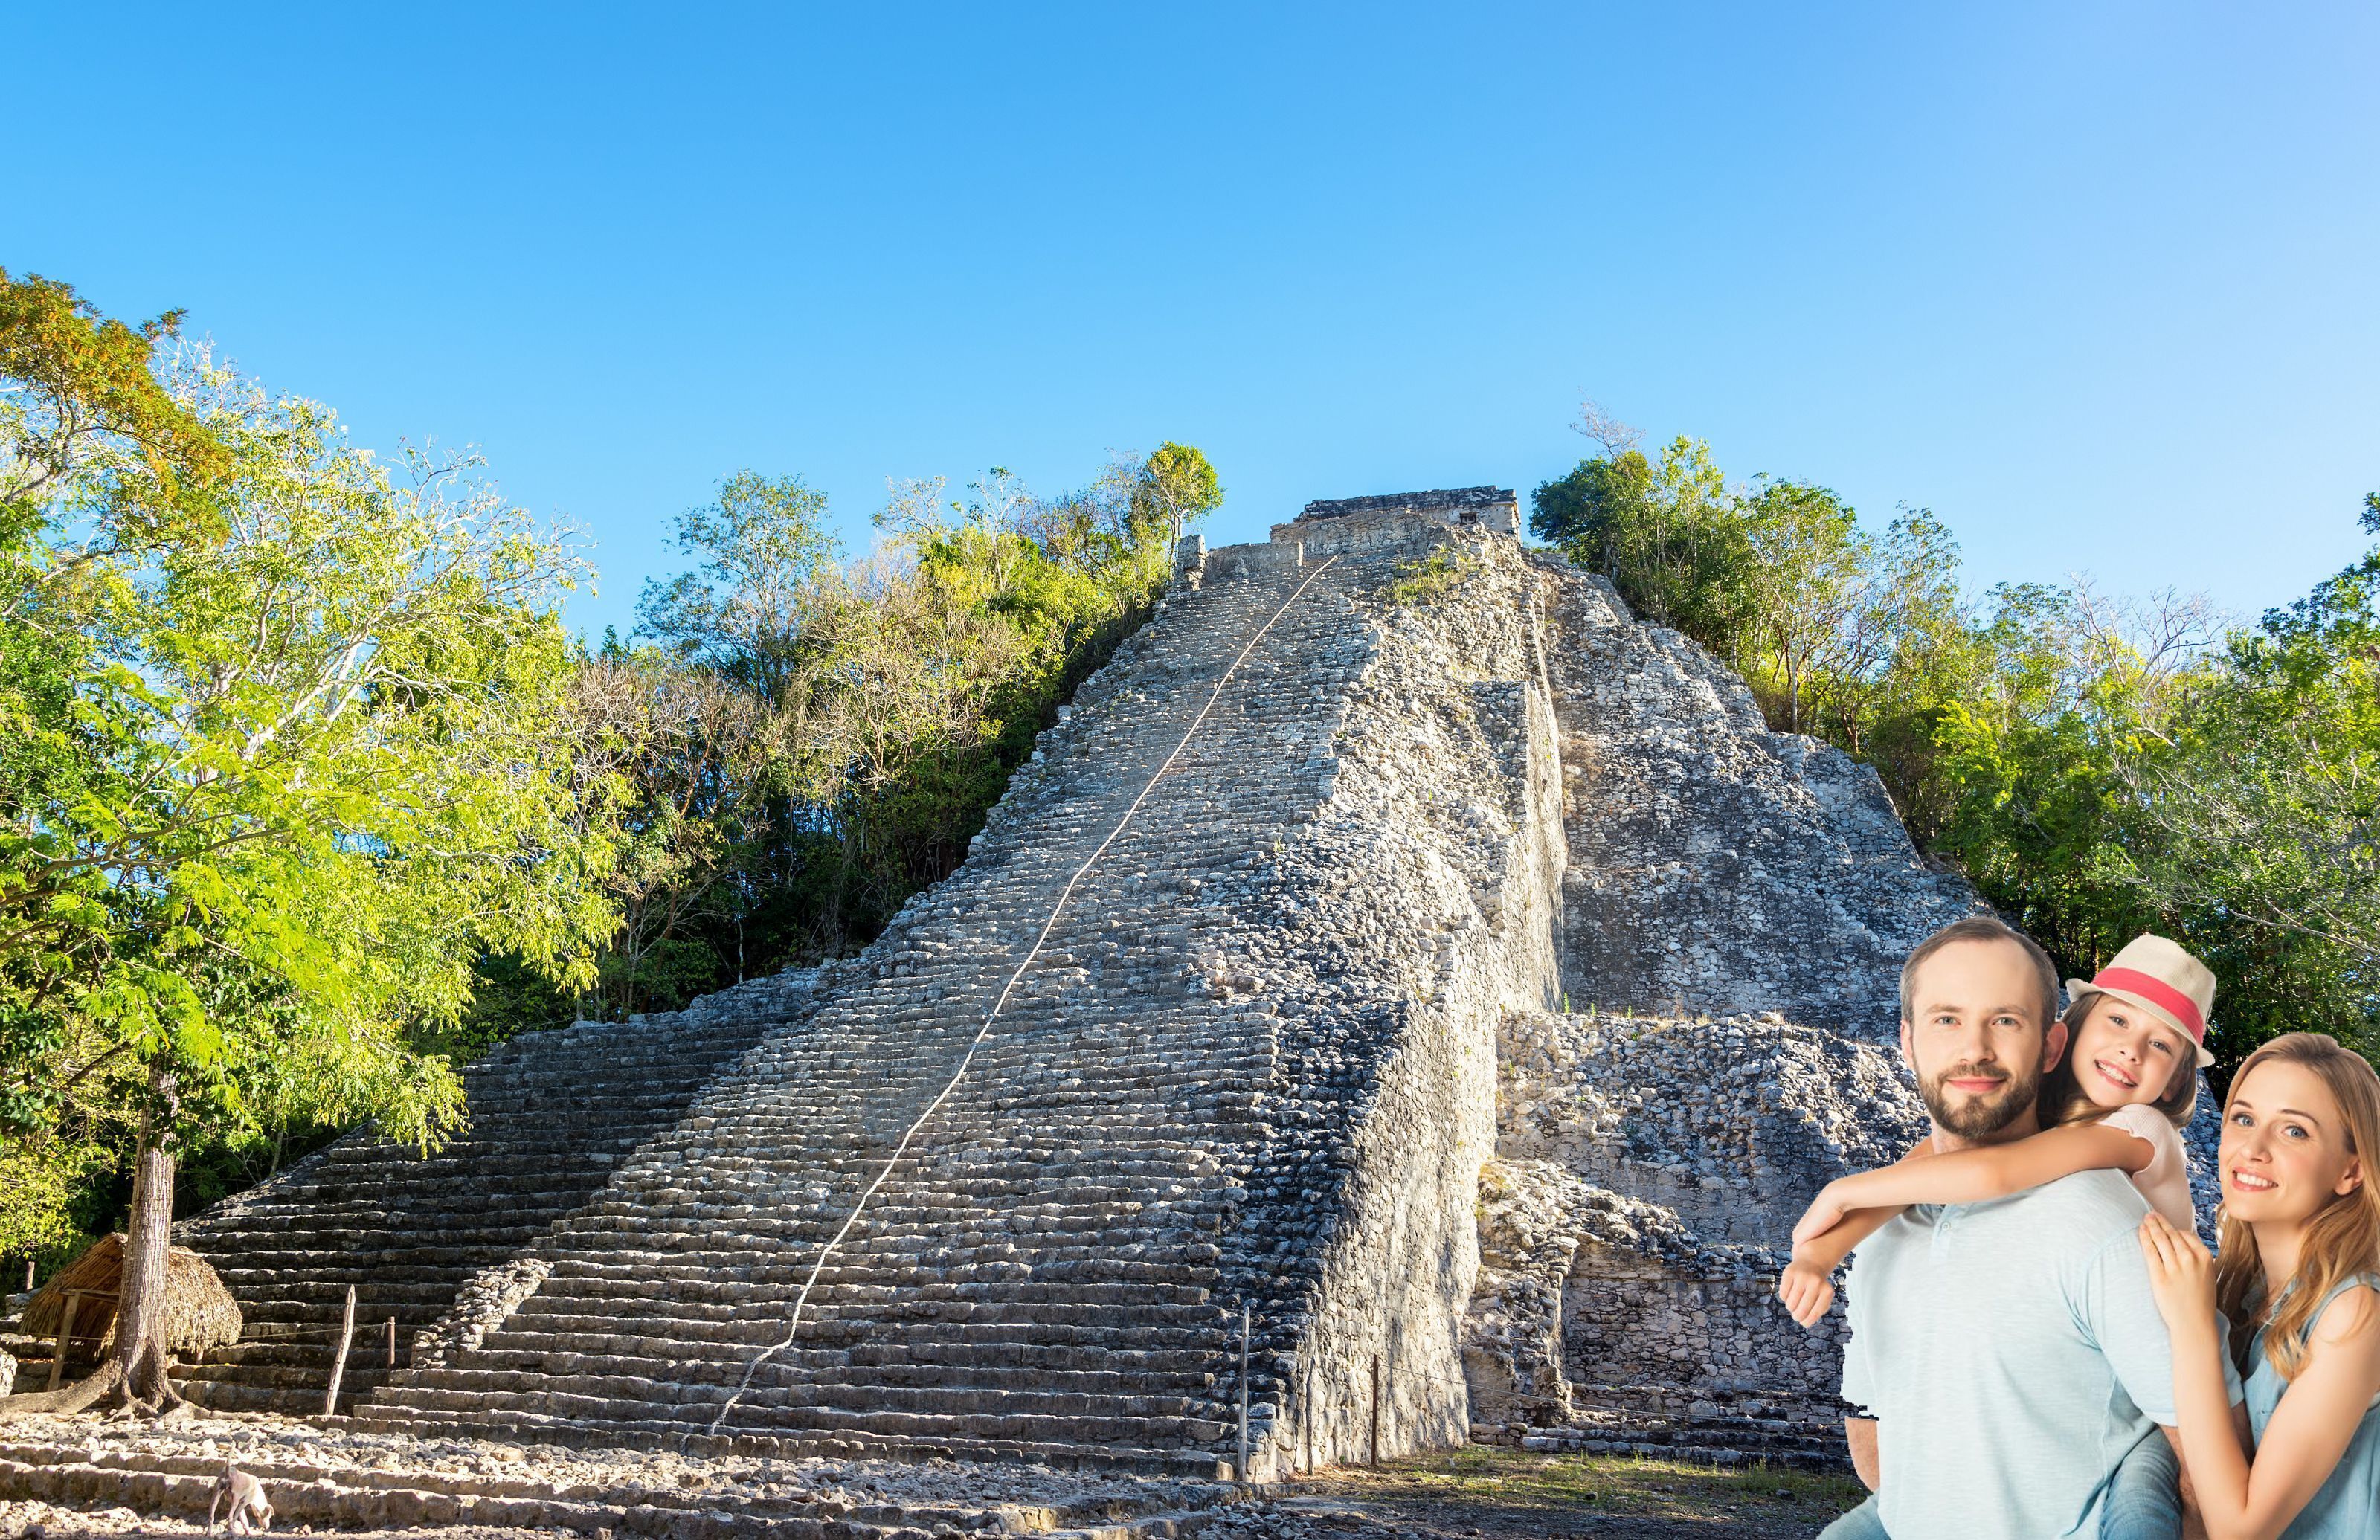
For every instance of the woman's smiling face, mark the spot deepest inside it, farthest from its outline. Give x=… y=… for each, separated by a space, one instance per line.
x=2123 y=1055
x=2285 y=1155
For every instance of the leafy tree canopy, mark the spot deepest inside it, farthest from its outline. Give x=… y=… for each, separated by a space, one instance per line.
x=286 y=747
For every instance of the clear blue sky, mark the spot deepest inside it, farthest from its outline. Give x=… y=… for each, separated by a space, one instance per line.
x=2099 y=283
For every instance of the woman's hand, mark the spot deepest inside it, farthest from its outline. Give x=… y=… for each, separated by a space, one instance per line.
x=2181 y=1275
x=1826 y=1211
x=1807 y=1290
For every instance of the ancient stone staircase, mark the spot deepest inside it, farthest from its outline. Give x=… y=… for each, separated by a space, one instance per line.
x=551 y=1115
x=1045 y=1275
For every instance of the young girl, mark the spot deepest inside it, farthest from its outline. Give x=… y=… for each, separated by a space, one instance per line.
x=2300 y=1275
x=2127 y=1082
x=2115 y=1099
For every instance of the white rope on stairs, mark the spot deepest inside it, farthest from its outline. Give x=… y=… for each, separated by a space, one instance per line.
x=794 y=1323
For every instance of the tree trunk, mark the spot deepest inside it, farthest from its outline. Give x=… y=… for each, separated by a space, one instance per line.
x=145 y=1237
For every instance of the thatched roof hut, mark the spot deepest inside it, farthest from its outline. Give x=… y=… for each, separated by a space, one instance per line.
x=199 y=1311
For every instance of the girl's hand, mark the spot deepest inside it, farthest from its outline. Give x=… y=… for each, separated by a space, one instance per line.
x=2181 y=1275
x=1807 y=1291
x=1826 y=1211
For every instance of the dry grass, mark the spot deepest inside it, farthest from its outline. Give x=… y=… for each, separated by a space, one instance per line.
x=1500 y=1492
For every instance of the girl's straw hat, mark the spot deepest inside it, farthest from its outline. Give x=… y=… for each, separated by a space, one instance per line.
x=2161 y=979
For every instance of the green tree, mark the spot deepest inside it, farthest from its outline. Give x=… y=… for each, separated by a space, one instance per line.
x=83 y=417
x=1669 y=535
x=1810 y=610
x=763 y=544
x=295 y=754
x=1173 y=489
x=2262 y=785
x=699 y=760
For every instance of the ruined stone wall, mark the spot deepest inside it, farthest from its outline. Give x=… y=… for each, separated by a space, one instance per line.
x=1682 y=1342
x=1634 y=1223
x=1730 y=1124
x=1728 y=1128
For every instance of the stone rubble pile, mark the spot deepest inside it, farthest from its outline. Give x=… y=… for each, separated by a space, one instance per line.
x=483 y=1302
x=1631 y=1229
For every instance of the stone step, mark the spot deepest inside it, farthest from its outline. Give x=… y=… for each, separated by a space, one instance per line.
x=1070 y=1289
x=688 y=1437
x=1011 y=1365
x=690 y=1342
x=763 y=1412
x=1711 y=1447
x=1115 y=1396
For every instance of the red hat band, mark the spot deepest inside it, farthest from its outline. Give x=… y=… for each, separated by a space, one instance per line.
x=2157 y=993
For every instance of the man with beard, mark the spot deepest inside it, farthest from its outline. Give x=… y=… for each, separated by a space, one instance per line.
x=2009 y=1354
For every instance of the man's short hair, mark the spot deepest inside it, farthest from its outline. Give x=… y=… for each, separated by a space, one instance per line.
x=1983 y=928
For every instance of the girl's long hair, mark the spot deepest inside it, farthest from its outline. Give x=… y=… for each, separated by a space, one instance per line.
x=2062 y=1101
x=2342 y=1240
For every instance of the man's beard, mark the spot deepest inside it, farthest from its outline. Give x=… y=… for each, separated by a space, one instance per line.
x=1979 y=1117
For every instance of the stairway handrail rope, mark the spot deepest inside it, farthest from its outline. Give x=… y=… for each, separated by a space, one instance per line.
x=793 y=1322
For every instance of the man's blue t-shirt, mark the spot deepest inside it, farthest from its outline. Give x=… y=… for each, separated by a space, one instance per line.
x=2012 y=1355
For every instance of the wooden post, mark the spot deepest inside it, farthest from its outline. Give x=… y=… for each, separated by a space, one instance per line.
x=66 y=1332
x=1243 y=1389
x=339 y=1364
x=391 y=1344
x=1376 y=1409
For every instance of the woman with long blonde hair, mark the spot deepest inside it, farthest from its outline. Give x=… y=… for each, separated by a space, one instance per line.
x=2299 y=1280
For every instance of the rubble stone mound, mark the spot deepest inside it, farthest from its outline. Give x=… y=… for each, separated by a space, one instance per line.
x=1649 y=1173
x=1732 y=1124
x=1468 y=1005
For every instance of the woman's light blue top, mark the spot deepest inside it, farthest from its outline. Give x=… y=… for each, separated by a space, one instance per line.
x=2348 y=1505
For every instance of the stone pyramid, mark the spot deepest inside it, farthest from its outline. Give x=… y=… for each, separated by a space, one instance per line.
x=1441 y=788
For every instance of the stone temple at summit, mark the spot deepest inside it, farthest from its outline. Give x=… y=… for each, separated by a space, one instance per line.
x=1397 y=941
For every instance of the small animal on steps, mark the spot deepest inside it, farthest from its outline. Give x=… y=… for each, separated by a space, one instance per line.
x=251 y=1510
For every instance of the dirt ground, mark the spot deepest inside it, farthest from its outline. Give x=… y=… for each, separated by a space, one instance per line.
x=1476 y=1494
